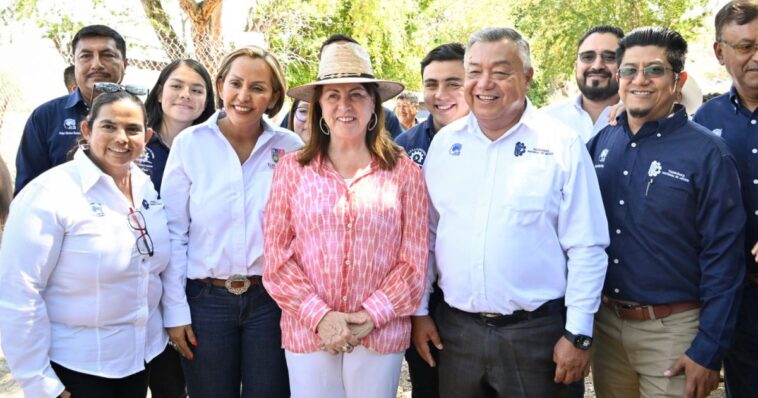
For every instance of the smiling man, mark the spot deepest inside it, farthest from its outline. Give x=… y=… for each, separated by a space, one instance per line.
x=733 y=116
x=53 y=128
x=517 y=234
x=672 y=197
x=596 y=78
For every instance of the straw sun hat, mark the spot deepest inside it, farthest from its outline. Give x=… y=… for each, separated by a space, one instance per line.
x=345 y=62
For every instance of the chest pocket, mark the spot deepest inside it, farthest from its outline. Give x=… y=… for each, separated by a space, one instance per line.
x=667 y=197
x=528 y=193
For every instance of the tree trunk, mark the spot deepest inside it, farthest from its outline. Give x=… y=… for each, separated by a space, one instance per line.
x=171 y=43
x=205 y=18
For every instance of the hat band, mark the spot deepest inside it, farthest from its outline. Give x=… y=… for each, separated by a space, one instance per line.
x=342 y=75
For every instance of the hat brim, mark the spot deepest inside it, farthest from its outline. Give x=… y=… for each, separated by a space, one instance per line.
x=387 y=89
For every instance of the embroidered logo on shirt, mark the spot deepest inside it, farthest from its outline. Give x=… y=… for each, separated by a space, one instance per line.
x=69 y=124
x=276 y=154
x=145 y=161
x=717 y=132
x=145 y=204
x=519 y=149
x=655 y=169
x=455 y=150
x=677 y=175
x=97 y=209
x=417 y=155
x=603 y=154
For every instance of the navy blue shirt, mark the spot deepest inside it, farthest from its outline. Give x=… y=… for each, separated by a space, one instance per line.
x=153 y=161
x=416 y=140
x=725 y=116
x=50 y=132
x=672 y=197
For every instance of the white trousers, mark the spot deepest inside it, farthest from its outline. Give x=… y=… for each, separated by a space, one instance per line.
x=360 y=374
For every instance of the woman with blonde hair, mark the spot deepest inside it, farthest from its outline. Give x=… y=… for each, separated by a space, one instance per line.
x=215 y=185
x=346 y=237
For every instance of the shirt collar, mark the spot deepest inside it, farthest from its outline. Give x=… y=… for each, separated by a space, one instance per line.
x=90 y=174
x=666 y=125
x=530 y=118
x=429 y=127
x=74 y=99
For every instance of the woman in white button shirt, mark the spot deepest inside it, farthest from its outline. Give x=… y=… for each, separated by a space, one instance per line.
x=80 y=264
x=215 y=185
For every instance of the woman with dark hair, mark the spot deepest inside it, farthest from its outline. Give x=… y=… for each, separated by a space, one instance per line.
x=216 y=184
x=82 y=261
x=297 y=119
x=182 y=97
x=346 y=237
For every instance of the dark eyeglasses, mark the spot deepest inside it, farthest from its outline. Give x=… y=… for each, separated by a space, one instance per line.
x=108 y=87
x=137 y=223
x=588 y=57
x=741 y=48
x=650 y=71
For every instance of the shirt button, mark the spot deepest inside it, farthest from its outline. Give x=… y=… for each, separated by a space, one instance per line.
x=658 y=135
x=752 y=121
x=755 y=150
x=347 y=262
x=756 y=212
x=616 y=290
x=349 y=225
x=634 y=145
x=621 y=202
x=626 y=173
x=618 y=232
x=344 y=298
x=755 y=181
x=615 y=261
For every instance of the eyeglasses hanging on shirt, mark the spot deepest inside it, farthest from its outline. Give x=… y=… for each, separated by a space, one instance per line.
x=108 y=87
x=137 y=223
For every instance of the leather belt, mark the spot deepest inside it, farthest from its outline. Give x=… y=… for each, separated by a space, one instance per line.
x=236 y=284
x=637 y=312
x=496 y=320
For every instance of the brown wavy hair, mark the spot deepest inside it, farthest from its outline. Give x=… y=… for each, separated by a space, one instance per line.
x=378 y=140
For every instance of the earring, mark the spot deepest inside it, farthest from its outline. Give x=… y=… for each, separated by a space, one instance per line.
x=323 y=126
x=375 y=119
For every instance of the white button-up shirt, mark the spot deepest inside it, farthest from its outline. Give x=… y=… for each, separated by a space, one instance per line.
x=215 y=207
x=573 y=115
x=75 y=289
x=517 y=221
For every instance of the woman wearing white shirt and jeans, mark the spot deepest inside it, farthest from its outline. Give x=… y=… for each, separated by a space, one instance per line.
x=216 y=184
x=80 y=265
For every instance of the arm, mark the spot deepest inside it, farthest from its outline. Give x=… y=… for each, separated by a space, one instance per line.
x=400 y=292
x=31 y=246
x=32 y=158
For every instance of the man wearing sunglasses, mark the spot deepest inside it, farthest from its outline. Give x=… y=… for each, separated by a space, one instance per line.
x=596 y=78
x=733 y=116
x=53 y=128
x=676 y=263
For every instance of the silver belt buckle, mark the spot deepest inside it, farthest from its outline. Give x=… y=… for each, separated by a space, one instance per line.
x=235 y=279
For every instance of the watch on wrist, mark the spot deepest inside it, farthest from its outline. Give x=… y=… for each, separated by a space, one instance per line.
x=579 y=341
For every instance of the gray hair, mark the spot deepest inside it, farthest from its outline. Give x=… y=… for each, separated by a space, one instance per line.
x=492 y=35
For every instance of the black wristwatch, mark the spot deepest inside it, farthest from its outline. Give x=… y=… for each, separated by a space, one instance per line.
x=579 y=341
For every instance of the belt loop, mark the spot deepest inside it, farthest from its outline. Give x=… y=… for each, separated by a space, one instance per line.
x=650 y=312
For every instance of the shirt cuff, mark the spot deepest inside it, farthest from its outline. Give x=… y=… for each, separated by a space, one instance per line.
x=705 y=353
x=48 y=386
x=176 y=315
x=312 y=310
x=579 y=322
x=379 y=309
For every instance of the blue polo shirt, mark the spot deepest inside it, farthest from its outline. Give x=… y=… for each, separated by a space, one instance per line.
x=153 y=161
x=416 y=140
x=50 y=132
x=672 y=197
x=727 y=117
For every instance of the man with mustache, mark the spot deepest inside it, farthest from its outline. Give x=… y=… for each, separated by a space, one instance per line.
x=595 y=76
x=53 y=128
x=733 y=116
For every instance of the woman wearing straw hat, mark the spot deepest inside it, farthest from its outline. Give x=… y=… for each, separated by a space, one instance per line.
x=346 y=237
x=215 y=186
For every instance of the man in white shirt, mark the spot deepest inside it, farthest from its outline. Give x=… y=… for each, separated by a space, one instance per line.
x=596 y=77
x=518 y=235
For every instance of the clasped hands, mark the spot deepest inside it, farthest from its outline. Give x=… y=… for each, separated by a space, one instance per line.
x=341 y=332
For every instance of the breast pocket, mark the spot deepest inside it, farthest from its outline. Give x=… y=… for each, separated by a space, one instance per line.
x=528 y=194
x=666 y=197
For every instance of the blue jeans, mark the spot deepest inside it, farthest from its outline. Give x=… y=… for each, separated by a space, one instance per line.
x=239 y=342
x=741 y=362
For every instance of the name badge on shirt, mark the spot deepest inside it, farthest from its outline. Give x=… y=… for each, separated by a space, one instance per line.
x=97 y=209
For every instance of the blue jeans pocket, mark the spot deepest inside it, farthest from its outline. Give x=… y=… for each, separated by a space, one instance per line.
x=196 y=290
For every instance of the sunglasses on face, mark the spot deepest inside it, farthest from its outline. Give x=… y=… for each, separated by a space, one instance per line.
x=741 y=48
x=588 y=57
x=650 y=72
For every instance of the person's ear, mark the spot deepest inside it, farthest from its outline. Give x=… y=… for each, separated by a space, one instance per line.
x=148 y=134
x=719 y=51
x=84 y=127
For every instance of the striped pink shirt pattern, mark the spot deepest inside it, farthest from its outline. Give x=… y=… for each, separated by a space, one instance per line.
x=333 y=246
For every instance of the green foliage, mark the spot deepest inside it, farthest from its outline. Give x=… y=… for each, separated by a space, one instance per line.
x=554 y=27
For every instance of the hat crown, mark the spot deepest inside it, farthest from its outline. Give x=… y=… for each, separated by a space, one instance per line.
x=344 y=59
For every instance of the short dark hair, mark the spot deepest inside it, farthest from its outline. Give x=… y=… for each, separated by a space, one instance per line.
x=408 y=96
x=673 y=42
x=335 y=38
x=69 y=78
x=445 y=52
x=616 y=31
x=739 y=11
x=153 y=105
x=99 y=31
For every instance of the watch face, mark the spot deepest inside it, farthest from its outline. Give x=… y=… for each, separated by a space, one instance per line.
x=585 y=343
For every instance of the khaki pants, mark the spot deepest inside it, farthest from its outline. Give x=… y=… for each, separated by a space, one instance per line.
x=629 y=357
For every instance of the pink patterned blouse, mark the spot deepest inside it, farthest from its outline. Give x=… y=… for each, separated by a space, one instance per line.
x=330 y=245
